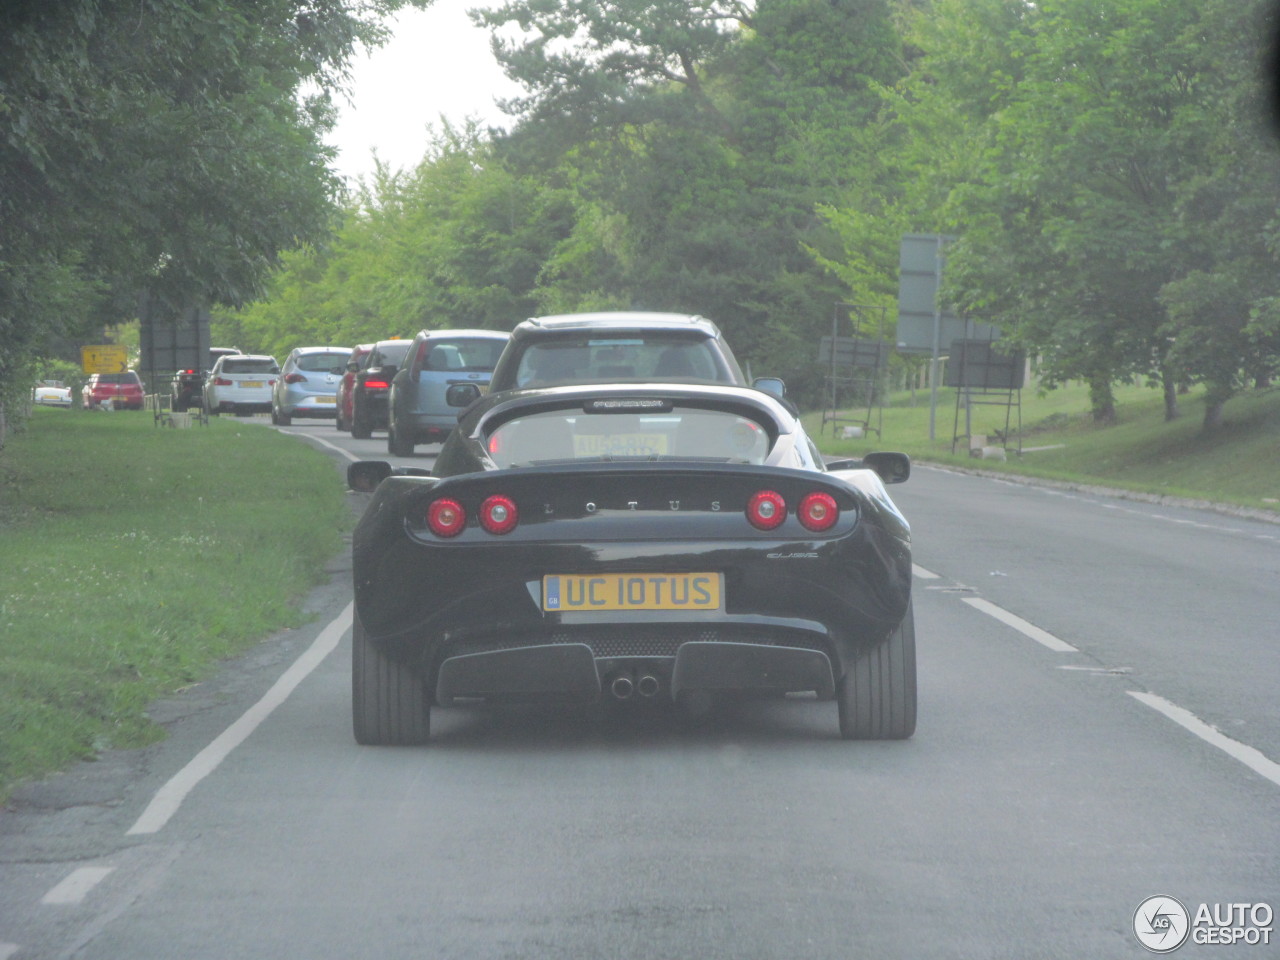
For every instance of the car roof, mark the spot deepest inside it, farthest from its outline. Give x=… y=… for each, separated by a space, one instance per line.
x=619 y=320
x=302 y=350
x=486 y=334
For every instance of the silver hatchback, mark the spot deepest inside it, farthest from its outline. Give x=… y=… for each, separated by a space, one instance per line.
x=308 y=384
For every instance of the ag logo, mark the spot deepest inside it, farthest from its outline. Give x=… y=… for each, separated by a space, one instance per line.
x=1161 y=924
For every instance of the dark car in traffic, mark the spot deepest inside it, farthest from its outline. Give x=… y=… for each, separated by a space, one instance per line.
x=660 y=542
x=371 y=387
x=437 y=359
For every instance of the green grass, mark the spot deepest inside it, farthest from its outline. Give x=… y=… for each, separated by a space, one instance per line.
x=132 y=558
x=1238 y=464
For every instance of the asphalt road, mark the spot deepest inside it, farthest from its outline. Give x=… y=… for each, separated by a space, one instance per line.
x=1097 y=726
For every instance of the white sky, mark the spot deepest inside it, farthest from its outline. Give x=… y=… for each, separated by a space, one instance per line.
x=437 y=63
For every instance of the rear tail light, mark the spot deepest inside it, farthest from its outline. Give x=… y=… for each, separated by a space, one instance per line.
x=222 y=382
x=295 y=378
x=446 y=518
x=498 y=514
x=818 y=512
x=377 y=384
x=766 y=510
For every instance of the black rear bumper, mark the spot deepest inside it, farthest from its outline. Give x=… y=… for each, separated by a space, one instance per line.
x=572 y=672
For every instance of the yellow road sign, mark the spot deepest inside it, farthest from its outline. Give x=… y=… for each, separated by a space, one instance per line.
x=104 y=358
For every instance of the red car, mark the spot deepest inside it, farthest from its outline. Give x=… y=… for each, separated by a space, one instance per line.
x=118 y=391
x=354 y=363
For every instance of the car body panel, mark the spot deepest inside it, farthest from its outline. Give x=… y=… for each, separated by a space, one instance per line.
x=308 y=383
x=437 y=359
x=569 y=603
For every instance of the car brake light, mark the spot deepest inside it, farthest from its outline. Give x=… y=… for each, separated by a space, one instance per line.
x=295 y=378
x=222 y=382
x=446 y=518
x=766 y=510
x=376 y=384
x=818 y=511
x=498 y=514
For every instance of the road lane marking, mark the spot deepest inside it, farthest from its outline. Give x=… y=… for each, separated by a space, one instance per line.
x=924 y=574
x=170 y=796
x=76 y=886
x=7 y=950
x=332 y=446
x=1027 y=629
x=1254 y=759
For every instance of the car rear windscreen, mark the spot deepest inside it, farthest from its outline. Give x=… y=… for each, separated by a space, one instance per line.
x=667 y=432
x=250 y=365
x=601 y=360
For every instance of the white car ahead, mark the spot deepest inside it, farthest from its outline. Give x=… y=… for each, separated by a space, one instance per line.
x=241 y=384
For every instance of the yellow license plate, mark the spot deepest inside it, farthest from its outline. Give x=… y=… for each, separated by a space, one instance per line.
x=326 y=399
x=571 y=593
x=620 y=445
x=251 y=383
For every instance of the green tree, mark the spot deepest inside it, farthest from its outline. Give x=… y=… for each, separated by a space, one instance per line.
x=159 y=146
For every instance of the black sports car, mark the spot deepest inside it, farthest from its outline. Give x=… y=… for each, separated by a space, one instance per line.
x=640 y=541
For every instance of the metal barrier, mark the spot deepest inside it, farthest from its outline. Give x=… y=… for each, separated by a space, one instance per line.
x=163 y=414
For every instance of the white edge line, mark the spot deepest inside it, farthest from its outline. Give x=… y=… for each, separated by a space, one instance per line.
x=1254 y=759
x=7 y=950
x=76 y=886
x=1042 y=637
x=169 y=797
x=332 y=446
x=924 y=574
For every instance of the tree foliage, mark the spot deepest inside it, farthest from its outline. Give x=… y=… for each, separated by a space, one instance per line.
x=160 y=146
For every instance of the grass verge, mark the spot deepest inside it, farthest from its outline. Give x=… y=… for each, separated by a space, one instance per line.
x=1237 y=465
x=132 y=559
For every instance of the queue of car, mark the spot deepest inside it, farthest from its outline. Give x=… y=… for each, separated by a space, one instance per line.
x=620 y=516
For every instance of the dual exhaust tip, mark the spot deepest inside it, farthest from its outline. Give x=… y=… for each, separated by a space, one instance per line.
x=623 y=687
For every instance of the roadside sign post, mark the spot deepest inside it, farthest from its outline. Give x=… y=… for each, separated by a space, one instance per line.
x=104 y=358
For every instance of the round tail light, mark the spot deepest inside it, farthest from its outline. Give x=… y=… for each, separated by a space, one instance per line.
x=498 y=514
x=766 y=510
x=818 y=512
x=446 y=518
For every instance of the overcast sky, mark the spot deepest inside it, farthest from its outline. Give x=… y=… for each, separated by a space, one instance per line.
x=436 y=63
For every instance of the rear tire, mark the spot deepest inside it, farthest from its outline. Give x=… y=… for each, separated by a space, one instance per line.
x=877 y=696
x=361 y=428
x=396 y=446
x=389 y=704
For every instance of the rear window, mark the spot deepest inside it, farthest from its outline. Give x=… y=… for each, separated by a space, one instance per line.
x=118 y=378
x=391 y=353
x=606 y=359
x=475 y=355
x=250 y=365
x=323 y=362
x=663 y=433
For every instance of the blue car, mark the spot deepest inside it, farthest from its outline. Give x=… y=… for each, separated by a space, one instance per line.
x=437 y=360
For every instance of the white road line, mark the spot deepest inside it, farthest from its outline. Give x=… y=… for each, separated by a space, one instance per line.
x=76 y=886
x=1022 y=626
x=1255 y=760
x=332 y=446
x=7 y=950
x=924 y=574
x=169 y=797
